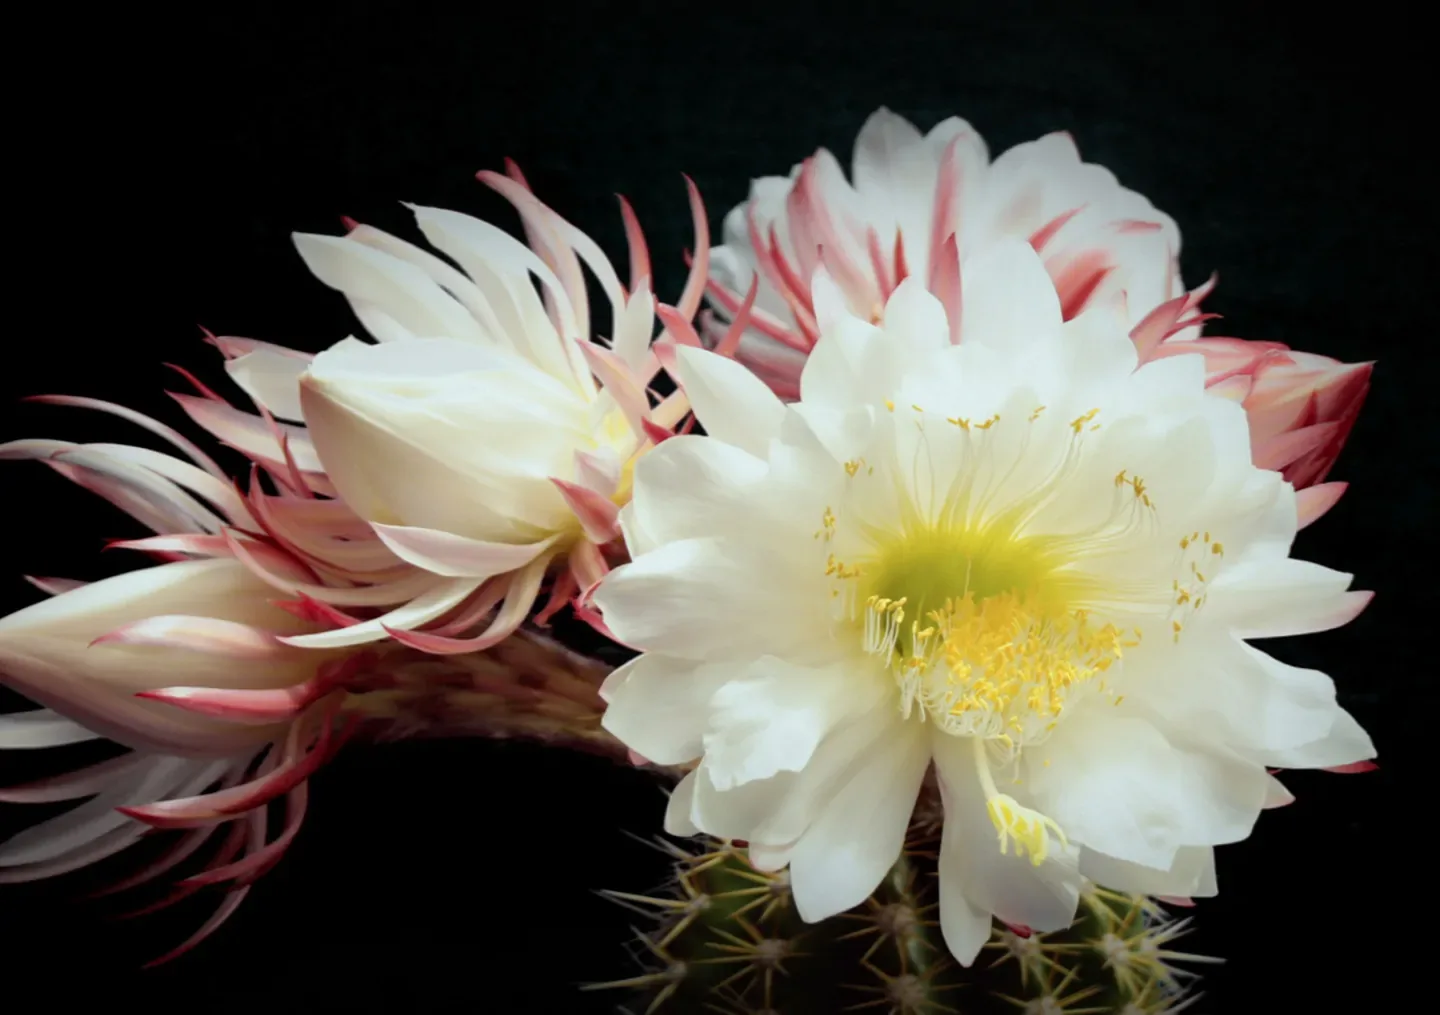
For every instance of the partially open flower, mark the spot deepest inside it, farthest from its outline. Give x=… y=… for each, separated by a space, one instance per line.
x=488 y=439
x=182 y=664
x=920 y=205
x=1020 y=558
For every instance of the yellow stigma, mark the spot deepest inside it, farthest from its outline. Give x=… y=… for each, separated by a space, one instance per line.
x=1030 y=829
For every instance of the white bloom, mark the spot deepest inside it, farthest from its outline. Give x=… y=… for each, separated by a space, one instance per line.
x=1019 y=558
x=915 y=207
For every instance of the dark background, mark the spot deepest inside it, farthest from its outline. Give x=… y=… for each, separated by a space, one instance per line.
x=163 y=163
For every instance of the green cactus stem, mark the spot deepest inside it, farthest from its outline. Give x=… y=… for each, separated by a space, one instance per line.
x=724 y=937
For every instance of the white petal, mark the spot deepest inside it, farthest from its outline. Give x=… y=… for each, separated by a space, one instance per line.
x=852 y=845
x=965 y=926
x=1117 y=785
x=677 y=810
x=778 y=811
x=1010 y=300
x=708 y=599
x=1220 y=689
x=916 y=318
x=403 y=291
x=659 y=706
x=1344 y=744
x=731 y=403
x=271 y=379
x=774 y=715
x=688 y=487
x=1191 y=874
x=1275 y=598
x=453 y=556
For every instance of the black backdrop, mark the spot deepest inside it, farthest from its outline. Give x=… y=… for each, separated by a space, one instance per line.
x=164 y=162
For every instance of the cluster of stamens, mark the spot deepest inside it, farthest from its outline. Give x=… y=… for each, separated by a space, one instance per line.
x=1198 y=554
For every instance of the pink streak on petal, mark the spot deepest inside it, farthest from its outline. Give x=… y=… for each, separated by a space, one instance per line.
x=943 y=222
x=947 y=288
x=1176 y=900
x=878 y=264
x=730 y=342
x=1047 y=232
x=198 y=634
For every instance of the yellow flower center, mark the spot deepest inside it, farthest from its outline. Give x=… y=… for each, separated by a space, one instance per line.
x=979 y=630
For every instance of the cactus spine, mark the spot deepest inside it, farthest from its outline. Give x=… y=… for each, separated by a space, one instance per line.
x=725 y=938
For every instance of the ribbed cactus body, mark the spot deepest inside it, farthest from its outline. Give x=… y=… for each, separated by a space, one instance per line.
x=724 y=937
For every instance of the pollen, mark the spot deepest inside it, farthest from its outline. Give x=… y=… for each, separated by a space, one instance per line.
x=1078 y=423
x=1002 y=667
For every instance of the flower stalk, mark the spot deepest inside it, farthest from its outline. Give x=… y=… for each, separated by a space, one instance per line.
x=528 y=687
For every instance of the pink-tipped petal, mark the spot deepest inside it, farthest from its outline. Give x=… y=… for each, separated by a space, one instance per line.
x=210 y=926
x=260 y=707
x=635 y=239
x=192 y=812
x=948 y=290
x=730 y=342
x=598 y=515
x=1354 y=768
x=677 y=326
x=250 y=869
x=520 y=596
x=54 y=586
x=1286 y=448
x=694 y=289
x=1313 y=501
x=170 y=434
x=656 y=433
x=452 y=556
x=619 y=382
